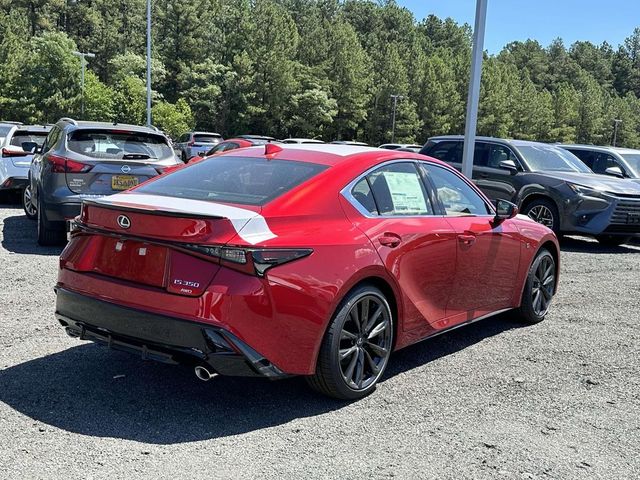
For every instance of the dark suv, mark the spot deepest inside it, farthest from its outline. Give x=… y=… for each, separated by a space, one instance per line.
x=81 y=160
x=616 y=161
x=550 y=185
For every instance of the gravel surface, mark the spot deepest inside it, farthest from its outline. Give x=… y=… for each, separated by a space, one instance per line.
x=493 y=400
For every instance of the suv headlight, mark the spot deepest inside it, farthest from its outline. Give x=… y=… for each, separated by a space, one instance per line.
x=586 y=191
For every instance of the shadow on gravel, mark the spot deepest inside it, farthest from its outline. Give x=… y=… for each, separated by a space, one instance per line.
x=589 y=245
x=95 y=391
x=19 y=236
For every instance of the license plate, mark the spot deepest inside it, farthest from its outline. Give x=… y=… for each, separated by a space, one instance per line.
x=123 y=182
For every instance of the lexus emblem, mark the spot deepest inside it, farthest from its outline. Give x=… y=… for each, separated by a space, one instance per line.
x=123 y=221
x=125 y=169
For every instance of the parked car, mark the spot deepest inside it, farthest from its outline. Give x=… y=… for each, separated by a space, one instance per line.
x=350 y=142
x=550 y=185
x=301 y=140
x=404 y=147
x=615 y=161
x=194 y=144
x=18 y=143
x=314 y=260
x=242 y=141
x=81 y=160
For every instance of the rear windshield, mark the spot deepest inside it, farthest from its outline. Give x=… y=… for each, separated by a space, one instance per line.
x=248 y=181
x=199 y=138
x=116 y=144
x=25 y=136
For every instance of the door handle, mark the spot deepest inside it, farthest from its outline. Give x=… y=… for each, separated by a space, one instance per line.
x=467 y=239
x=390 y=240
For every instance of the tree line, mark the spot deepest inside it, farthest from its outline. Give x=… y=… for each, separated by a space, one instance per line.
x=312 y=68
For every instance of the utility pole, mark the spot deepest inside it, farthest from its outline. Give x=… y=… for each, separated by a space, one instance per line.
x=474 y=89
x=615 y=130
x=148 y=62
x=83 y=63
x=395 y=97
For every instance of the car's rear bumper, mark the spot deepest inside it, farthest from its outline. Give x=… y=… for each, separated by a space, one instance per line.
x=158 y=337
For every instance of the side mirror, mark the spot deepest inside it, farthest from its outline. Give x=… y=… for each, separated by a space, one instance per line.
x=509 y=165
x=29 y=147
x=613 y=171
x=505 y=210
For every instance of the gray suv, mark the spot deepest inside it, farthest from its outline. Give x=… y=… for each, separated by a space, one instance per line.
x=550 y=185
x=196 y=144
x=81 y=160
x=616 y=161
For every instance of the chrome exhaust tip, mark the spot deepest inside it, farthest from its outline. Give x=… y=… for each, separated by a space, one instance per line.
x=203 y=373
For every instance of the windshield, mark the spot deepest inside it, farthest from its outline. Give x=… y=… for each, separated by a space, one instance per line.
x=633 y=159
x=543 y=158
x=203 y=138
x=116 y=144
x=249 y=181
x=4 y=129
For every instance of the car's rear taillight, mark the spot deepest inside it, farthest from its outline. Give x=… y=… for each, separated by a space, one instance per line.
x=66 y=165
x=6 y=153
x=255 y=261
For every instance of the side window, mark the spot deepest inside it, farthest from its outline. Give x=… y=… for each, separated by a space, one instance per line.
x=586 y=156
x=362 y=193
x=51 y=140
x=398 y=190
x=457 y=197
x=500 y=153
x=480 y=154
x=447 y=152
x=604 y=161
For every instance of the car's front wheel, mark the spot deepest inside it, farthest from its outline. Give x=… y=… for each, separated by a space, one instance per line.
x=356 y=347
x=539 y=288
x=545 y=212
x=28 y=204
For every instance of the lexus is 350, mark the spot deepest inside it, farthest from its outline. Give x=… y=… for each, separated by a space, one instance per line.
x=313 y=260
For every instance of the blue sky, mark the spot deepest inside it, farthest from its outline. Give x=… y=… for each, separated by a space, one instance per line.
x=542 y=20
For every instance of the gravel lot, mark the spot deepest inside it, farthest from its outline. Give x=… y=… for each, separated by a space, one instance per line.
x=494 y=400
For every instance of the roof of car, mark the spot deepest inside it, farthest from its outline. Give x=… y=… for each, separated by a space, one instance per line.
x=599 y=148
x=302 y=140
x=323 y=153
x=207 y=133
x=108 y=126
x=506 y=141
x=35 y=128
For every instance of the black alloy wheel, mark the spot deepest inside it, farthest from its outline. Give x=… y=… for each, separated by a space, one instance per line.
x=539 y=288
x=544 y=212
x=356 y=348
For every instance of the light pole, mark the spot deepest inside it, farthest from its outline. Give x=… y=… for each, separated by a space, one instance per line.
x=148 y=62
x=615 y=130
x=474 y=89
x=395 y=97
x=83 y=63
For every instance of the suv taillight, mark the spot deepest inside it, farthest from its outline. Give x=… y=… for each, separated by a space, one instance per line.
x=66 y=165
x=14 y=153
x=255 y=261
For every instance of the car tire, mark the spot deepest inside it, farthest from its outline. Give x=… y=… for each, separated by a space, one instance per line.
x=184 y=158
x=539 y=288
x=613 y=240
x=30 y=209
x=49 y=233
x=543 y=211
x=354 y=353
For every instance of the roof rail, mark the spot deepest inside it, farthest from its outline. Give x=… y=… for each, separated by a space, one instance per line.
x=154 y=128
x=68 y=120
x=11 y=122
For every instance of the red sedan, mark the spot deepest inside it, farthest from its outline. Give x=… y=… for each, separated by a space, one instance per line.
x=314 y=260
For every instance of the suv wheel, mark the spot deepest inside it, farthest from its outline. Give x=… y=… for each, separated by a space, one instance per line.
x=356 y=347
x=49 y=233
x=545 y=212
x=29 y=207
